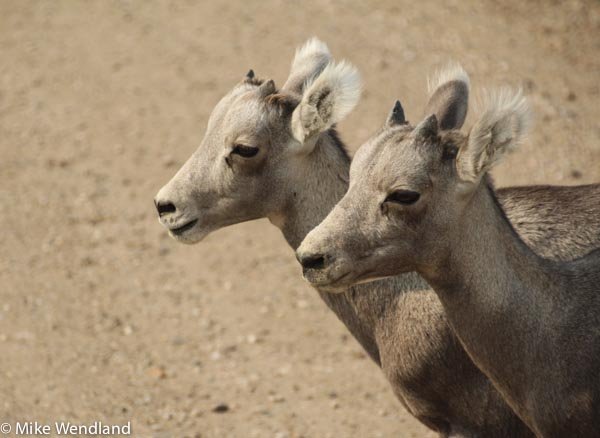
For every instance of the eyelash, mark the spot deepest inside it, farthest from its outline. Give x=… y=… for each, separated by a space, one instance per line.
x=403 y=197
x=244 y=151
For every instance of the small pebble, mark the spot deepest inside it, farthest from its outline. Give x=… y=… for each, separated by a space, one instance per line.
x=157 y=372
x=276 y=398
x=221 y=408
x=215 y=355
x=169 y=161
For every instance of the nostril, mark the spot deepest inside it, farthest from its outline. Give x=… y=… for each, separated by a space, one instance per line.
x=313 y=261
x=164 y=207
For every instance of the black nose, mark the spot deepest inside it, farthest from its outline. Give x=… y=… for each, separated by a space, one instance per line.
x=312 y=261
x=164 y=207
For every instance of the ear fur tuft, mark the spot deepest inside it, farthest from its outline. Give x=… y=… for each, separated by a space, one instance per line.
x=503 y=125
x=309 y=61
x=449 y=97
x=450 y=73
x=327 y=99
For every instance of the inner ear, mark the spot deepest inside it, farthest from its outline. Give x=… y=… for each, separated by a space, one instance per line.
x=449 y=91
x=320 y=101
x=449 y=103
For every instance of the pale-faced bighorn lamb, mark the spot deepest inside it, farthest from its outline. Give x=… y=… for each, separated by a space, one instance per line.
x=421 y=200
x=257 y=160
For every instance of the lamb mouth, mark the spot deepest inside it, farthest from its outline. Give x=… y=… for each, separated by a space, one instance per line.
x=185 y=227
x=344 y=281
x=325 y=281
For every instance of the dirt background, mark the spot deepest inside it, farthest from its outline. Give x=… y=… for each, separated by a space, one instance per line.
x=104 y=318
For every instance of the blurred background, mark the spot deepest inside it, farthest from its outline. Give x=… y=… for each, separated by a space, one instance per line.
x=104 y=318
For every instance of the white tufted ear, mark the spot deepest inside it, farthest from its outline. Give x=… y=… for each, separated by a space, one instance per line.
x=309 y=62
x=449 y=97
x=326 y=100
x=500 y=129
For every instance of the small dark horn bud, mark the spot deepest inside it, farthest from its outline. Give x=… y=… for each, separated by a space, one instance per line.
x=428 y=128
x=267 y=88
x=396 y=117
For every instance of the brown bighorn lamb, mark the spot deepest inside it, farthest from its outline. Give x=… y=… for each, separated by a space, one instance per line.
x=253 y=163
x=421 y=200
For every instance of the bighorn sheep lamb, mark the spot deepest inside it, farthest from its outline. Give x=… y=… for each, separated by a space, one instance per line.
x=420 y=199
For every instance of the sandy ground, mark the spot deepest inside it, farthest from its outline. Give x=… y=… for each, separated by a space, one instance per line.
x=104 y=318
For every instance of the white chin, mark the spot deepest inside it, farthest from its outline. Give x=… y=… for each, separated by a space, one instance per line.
x=190 y=237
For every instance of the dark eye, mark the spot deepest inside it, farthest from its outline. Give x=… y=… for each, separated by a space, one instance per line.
x=404 y=197
x=244 y=151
